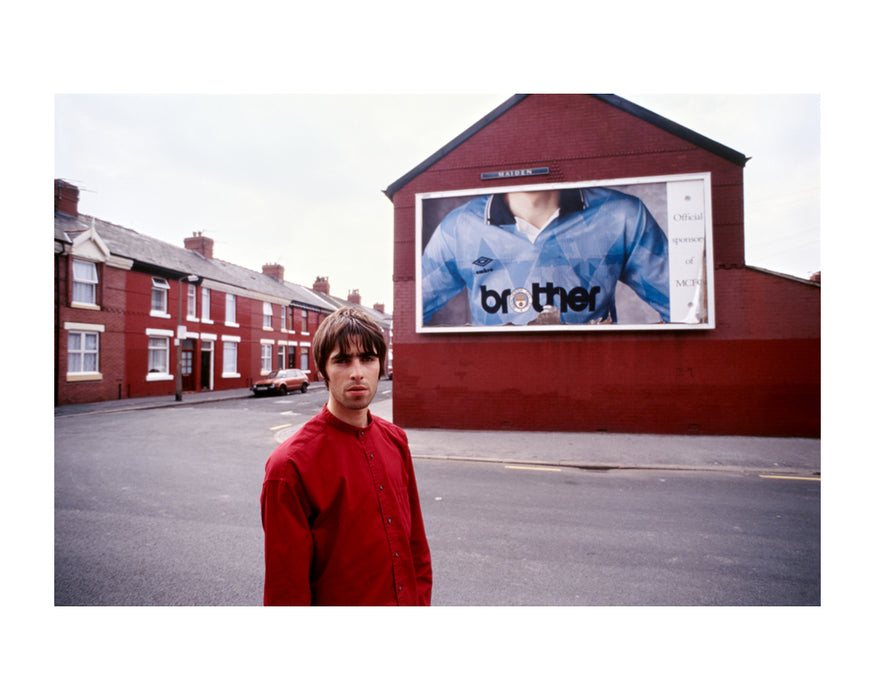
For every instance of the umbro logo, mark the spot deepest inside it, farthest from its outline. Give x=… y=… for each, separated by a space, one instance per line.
x=482 y=262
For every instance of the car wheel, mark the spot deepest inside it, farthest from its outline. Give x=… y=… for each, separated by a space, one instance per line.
x=284 y=389
x=304 y=388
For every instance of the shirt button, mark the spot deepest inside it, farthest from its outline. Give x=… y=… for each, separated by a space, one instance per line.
x=389 y=520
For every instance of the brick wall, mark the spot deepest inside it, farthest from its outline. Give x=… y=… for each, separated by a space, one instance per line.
x=110 y=315
x=757 y=372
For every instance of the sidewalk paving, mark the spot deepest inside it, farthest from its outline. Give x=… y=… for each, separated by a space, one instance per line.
x=774 y=456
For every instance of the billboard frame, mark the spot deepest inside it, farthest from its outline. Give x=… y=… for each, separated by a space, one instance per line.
x=701 y=284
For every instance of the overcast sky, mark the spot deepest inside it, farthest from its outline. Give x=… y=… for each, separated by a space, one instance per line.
x=298 y=179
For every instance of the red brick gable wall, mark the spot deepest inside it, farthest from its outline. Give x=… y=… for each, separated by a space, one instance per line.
x=757 y=372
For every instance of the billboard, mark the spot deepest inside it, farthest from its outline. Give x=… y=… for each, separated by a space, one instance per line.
x=622 y=254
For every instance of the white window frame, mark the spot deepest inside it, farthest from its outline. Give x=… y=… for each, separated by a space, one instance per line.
x=205 y=305
x=266 y=357
x=231 y=310
x=159 y=341
x=191 y=314
x=85 y=285
x=282 y=354
x=230 y=344
x=267 y=316
x=161 y=287
x=83 y=330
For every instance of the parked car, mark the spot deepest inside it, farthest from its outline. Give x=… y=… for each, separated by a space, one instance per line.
x=281 y=381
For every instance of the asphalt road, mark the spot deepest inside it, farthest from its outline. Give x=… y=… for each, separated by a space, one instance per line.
x=160 y=507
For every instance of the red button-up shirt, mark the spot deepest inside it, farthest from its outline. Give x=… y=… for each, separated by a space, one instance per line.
x=341 y=516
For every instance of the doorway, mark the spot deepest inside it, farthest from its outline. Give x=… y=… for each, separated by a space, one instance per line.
x=187 y=361
x=207 y=365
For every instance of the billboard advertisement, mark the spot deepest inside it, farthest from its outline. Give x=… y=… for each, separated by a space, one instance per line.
x=623 y=254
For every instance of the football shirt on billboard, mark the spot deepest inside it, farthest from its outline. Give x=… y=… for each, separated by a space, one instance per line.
x=600 y=237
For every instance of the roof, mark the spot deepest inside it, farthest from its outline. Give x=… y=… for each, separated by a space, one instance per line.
x=383 y=319
x=618 y=102
x=150 y=253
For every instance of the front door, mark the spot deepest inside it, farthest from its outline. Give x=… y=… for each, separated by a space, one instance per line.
x=187 y=365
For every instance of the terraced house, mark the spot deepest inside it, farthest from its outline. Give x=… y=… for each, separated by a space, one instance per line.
x=135 y=316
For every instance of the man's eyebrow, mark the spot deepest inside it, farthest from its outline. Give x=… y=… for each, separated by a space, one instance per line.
x=341 y=355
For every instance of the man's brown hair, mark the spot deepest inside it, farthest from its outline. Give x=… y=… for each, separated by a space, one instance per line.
x=346 y=328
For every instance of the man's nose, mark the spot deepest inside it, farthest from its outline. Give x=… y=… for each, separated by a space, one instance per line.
x=356 y=368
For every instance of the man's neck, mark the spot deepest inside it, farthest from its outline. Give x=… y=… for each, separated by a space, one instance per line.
x=534 y=207
x=357 y=418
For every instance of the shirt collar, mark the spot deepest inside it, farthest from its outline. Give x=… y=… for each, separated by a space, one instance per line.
x=499 y=214
x=342 y=426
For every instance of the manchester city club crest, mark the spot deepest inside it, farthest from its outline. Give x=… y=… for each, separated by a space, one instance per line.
x=520 y=300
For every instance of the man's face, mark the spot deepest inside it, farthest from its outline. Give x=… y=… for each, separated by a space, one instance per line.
x=353 y=377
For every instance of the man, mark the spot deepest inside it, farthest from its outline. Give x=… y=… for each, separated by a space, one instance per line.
x=554 y=256
x=339 y=503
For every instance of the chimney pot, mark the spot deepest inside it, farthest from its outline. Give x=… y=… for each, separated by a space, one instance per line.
x=321 y=285
x=200 y=243
x=274 y=270
x=66 y=198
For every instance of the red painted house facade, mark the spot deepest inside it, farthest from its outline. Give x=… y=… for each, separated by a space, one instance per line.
x=755 y=372
x=138 y=317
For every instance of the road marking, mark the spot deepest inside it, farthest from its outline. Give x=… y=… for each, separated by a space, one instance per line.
x=794 y=478
x=533 y=469
x=280 y=427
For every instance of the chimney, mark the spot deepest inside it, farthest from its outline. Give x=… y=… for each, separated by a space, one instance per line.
x=321 y=285
x=200 y=243
x=66 y=198
x=274 y=270
x=380 y=307
x=354 y=297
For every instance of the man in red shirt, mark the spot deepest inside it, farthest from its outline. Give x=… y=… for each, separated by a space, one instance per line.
x=339 y=504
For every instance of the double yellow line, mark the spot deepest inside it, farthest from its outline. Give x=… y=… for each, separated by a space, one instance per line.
x=533 y=469
x=762 y=476
x=791 y=478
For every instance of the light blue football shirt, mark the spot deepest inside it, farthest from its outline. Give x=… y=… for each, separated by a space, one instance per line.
x=601 y=236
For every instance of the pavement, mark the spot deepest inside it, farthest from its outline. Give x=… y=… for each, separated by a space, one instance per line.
x=779 y=457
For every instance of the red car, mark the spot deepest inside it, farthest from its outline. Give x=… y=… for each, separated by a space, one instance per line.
x=282 y=381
